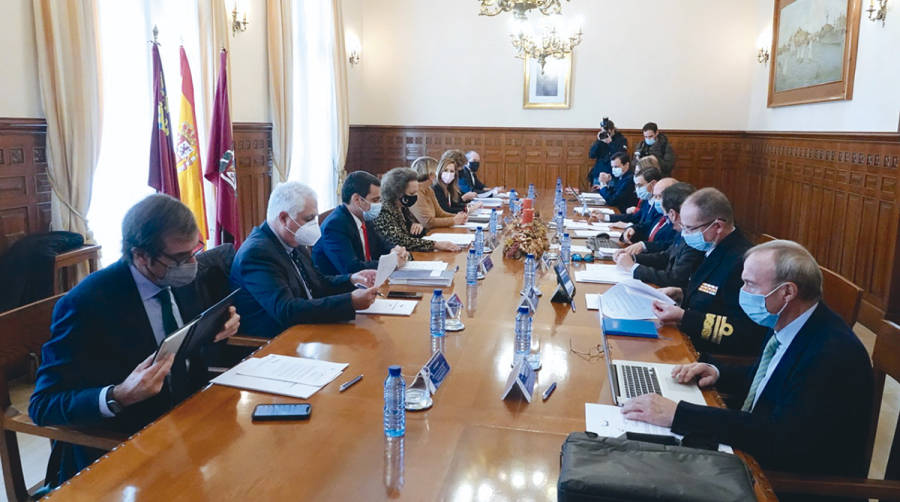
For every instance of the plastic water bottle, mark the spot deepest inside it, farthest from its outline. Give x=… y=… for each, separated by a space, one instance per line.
x=584 y=207
x=560 y=222
x=472 y=268
x=394 y=403
x=563 y=206
x=528 y=283
x=479 y=243
x=531 y=191
x=492 y=225
x=565 y=249
x=559 y=185
x=512 y=195
x=523 y=336
x=437 y=313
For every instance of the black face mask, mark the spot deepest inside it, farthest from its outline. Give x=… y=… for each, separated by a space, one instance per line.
x=473 y=166
x=408 y=200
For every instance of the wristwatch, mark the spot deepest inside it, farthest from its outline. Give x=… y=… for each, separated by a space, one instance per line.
x=111 y=403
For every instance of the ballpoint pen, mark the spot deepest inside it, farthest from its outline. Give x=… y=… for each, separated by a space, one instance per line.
x=549 y=391
x=346 y=385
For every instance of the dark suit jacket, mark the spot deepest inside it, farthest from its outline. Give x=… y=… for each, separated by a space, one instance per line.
x=671 y=267
x=469 y=182
x=441 y=195
x=713 y=318
x=99 y=334
x=602 y=152
x=340 y=251
x=664 y=238
x=272 y=298
x=814 y=412
x=644 y=207
x=620 y=192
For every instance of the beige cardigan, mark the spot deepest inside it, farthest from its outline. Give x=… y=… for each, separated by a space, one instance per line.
x=428 y=211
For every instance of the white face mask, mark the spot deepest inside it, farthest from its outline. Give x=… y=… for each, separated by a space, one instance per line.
x=447 y=177
x=308 y=234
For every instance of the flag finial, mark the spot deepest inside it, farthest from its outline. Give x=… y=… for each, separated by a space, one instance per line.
x=155 y=34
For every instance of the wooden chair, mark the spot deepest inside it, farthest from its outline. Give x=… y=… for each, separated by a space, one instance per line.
x=64 y=269
x=841 y=295
x=886 y=361
x=324 y=215
x=765 y=238
x=29 y=326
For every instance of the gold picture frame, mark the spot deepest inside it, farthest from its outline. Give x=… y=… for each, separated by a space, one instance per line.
x=811 y=61
x=556 y=77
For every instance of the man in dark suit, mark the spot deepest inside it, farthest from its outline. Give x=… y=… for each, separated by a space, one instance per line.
x=644 y=211
x=280 y=287
x=709 y=311
x=97 y=368
x=675 y=265
x=654 y=232
x=618 y=188
x=807 y=400
x=349 y=240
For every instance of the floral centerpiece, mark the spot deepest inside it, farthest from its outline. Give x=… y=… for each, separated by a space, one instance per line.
x=526 y=238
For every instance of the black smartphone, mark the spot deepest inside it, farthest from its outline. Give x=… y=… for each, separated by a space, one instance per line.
x=411 y=295
x=286 y=411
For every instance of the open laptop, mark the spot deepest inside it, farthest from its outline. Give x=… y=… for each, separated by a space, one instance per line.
x=630 y=379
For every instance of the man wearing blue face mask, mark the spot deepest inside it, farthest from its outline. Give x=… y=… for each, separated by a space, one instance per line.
x=645 y=212
x=350 y=242
x=280 y=286
x=787 y=416
x=709 y=311
x=618 y=188
x=98 y=369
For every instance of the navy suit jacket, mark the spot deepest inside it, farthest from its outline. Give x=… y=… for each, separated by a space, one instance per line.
x=340 y=250
x=713 y=318
x=602 y=152
x=99 y=334
x=469 y=182
x=272 y=298
x=672 y=267
x=814 y=412
x=620 y=192
x=638 y=216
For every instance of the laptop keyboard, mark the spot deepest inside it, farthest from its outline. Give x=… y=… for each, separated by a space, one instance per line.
x=640 y=380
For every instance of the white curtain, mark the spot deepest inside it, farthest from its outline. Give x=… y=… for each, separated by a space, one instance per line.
x=279 y=42
x=342 y=101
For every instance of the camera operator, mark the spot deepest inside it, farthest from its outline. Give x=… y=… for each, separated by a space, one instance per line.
x=609 y=142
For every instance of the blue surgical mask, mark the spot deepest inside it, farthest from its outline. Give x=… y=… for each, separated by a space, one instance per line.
x=696 y=240
x=617 y=172
x=649 y=141
x=754 y=306
x=373 y=212
x=643 y=193
x=657 y=204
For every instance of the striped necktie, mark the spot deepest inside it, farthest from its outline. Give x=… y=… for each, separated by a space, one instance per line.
x=768 y=353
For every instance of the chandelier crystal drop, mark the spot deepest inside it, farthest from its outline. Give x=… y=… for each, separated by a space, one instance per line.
x=519 y=8
x=550 y=45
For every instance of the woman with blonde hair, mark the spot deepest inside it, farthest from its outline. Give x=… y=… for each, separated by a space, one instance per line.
x=446 y=188
x=427 y=209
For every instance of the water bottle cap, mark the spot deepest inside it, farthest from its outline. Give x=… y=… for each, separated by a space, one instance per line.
x=471 y=250
x=478 y=228
x=523 y=309
x=394 y=370
x=493 y=210
x=529 y=255
x=566 y=235
x=438 y=292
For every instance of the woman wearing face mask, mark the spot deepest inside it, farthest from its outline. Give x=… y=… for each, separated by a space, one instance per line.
x=427 y=209
x=399 y=192
x=446 y=189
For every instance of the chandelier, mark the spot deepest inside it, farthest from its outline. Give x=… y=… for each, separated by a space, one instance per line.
x=550 y=45
x=519 y=8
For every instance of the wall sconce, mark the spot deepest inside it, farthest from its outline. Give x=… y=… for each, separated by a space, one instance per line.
x=354 y=48
x=763 y=56
x=877 y=14
x=238 y=22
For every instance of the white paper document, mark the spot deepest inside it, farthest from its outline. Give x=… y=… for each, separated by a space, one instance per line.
x=584 y=234
x=592 y=301
x=425 y=265
x=602 y=273
x=631 y=299
x=584 y=225
x=608 y=421
x=458 y=239
x=602 y=210
x=387 y=263
x=285 y=375
x=383 y=306
x=472 y=225
x=492 y=202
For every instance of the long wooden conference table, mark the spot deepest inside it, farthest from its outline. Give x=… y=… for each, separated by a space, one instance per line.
x=470 y=445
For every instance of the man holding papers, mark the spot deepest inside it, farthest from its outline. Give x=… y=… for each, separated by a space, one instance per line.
x=350 y=242
x=98 y=370
x=280 y=287
x=709 y=312
x=807 y=400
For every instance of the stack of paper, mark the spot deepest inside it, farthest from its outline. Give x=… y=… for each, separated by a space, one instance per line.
x=422 y=277
x=603 y=210
x=472 y=225
x=285 y=375
x=631 y=299
x=440 y=266
x=602 y=273
x=584 y=234
x=490 y=202
x=458 y=239
x=584 y=225
x=383 y=306
x=608 y=421
x=592 y=199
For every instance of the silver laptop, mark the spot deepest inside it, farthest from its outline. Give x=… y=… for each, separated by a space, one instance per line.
x=630 y=379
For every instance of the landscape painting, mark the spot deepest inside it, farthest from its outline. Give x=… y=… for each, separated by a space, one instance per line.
x=814 y=51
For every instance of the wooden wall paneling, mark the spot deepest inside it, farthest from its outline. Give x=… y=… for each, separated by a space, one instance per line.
x=24 y=185
x=253 y=154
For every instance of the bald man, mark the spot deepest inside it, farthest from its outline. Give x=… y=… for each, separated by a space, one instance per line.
x=657 y=234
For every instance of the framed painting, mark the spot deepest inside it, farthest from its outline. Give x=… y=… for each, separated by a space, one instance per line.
x=549 y=87
x=813 y=51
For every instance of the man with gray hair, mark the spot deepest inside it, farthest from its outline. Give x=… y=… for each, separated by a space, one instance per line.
x=468 y=177
x=280 y=286
x=807 y=399
x=709 y=311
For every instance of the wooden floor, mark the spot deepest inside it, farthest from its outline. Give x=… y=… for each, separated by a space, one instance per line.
x=35 y=451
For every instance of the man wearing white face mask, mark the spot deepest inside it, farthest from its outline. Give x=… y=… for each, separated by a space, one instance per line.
x=709 y=312
x=280 y=285
x=350 y=242
x=805 y=404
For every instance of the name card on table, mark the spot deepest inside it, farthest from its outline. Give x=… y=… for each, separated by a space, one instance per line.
x=433 y=374
x=486 y=265
x=522 y=377
x=565 y=289
x=530 y=299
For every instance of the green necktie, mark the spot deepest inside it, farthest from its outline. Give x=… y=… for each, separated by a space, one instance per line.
x=768 y=353
x=168 y=317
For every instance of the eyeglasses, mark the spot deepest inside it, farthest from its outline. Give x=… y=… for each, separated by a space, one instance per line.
x=591 y=353
x=587 y=257
x=181 y=261
x=704 y=226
